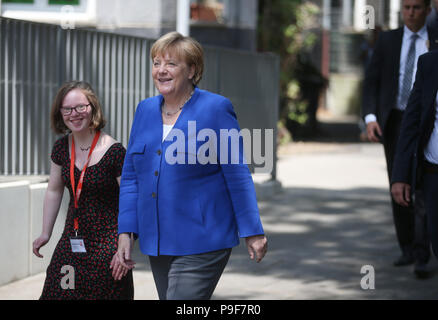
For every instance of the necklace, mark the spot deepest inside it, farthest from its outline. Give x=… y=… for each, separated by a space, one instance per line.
x=85 y=149
x=171 y=113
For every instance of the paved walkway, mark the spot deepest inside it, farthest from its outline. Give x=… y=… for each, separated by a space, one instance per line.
x=331 y=218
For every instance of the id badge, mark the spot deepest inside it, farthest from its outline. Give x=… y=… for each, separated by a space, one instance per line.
x=77 y=245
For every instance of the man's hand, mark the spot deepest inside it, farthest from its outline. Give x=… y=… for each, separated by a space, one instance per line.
x=373 y=131
x=257 y=247
x=401 y=192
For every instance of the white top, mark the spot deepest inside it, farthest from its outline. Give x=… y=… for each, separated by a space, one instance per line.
x=420 y=48
x=166 y=130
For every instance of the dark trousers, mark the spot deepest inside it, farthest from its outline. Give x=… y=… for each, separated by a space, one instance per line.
x=410 y=222
x=431 y=203
x=191 y=277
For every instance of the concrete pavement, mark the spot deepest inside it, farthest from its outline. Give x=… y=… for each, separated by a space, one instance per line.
x=331 y=218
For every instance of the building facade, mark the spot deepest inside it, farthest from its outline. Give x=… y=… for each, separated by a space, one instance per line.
x=345 y=29
x=225 y=23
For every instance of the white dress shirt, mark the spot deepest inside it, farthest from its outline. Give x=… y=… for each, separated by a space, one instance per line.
x=421 y=47
x=166 y=130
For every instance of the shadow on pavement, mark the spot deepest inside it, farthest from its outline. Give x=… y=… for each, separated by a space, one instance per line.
x=319 y=239
x=333 y=130
x=320 y=235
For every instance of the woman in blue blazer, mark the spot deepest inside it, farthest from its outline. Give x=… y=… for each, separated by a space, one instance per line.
x=185 y=192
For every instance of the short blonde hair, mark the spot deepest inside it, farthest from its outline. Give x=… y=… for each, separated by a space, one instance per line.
x=57 y=121
x=186 y=48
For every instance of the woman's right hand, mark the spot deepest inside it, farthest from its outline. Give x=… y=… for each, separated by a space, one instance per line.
x=124 y=249
x=121 y=261
x=38 y=243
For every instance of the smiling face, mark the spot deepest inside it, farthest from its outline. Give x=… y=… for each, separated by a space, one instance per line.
x=414 y=14
x=76 y=121
x=172 y=76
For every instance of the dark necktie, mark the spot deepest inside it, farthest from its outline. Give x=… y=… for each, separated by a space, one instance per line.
x=409 y=70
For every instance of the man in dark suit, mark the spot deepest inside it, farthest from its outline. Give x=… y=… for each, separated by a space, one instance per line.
x=417 y=149
x=432 y=18
x=387 y=83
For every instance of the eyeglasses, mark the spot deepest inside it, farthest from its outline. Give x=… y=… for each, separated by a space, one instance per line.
x=79 y=109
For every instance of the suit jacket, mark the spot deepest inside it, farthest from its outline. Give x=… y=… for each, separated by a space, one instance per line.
x=418 y=121
x=381 y=83
x=186 y=207
x=432 y=19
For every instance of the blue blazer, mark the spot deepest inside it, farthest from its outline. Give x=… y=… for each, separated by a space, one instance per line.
x=187 y=207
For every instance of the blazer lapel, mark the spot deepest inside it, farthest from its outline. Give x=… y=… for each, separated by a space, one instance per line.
x=157 y=119
x=397 y=45
x=432 y=87
x=395 y=50
x=429 y=106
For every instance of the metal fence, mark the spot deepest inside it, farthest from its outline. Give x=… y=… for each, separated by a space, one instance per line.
x=35 y=59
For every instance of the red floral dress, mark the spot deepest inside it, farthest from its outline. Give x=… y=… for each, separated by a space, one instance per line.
x=98 y=212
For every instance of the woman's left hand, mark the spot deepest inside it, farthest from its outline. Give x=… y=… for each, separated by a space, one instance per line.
x=257 y=247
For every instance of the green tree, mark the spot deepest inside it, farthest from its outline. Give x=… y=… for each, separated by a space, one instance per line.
x=285 y=28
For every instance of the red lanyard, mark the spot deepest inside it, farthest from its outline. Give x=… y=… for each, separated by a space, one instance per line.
x=77 y=191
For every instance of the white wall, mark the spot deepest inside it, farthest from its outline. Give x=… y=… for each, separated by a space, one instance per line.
x=145 y=18
x=14 y=231
x=20 y=224
x=128 y=13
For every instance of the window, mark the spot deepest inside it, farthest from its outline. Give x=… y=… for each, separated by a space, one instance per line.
x=64 y=2
x=17 y=1
x=336 y=4
x=207 y=10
